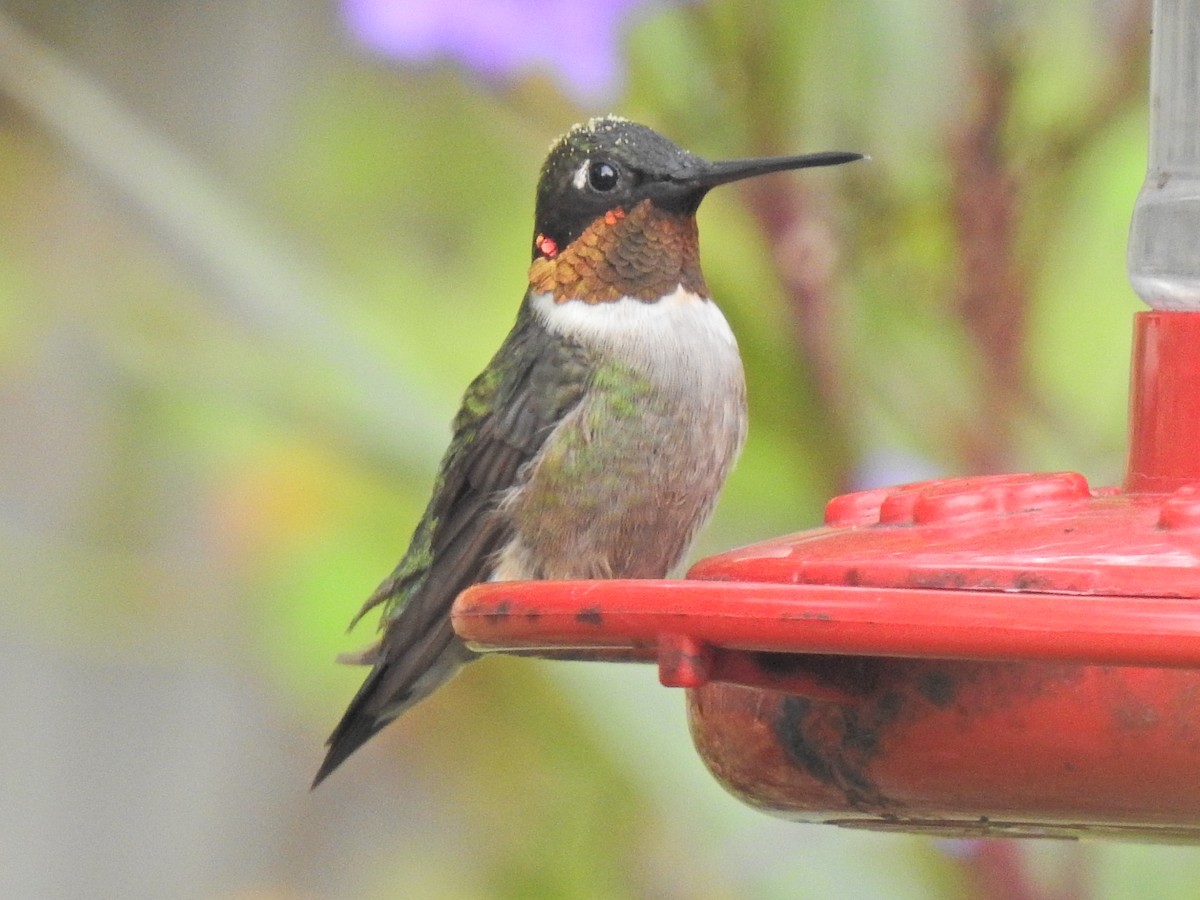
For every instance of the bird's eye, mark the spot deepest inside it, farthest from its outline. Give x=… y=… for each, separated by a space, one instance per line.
x=602 y=176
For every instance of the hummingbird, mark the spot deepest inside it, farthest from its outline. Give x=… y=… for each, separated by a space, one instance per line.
x=595 y=442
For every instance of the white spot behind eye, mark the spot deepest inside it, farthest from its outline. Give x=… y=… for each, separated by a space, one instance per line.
x=581 y=174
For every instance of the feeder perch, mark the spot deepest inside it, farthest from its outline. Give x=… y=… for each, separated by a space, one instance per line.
x=1014 y=655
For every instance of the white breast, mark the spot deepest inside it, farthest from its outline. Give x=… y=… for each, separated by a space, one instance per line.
x=639 y=487
x=682 y=341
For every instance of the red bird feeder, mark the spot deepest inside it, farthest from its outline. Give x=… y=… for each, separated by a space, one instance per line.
x=1007 y=655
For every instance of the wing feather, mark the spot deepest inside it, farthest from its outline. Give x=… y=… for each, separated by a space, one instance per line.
x=508 y=412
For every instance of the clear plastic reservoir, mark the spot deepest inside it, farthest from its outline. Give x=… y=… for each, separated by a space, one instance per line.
x=1164 y=240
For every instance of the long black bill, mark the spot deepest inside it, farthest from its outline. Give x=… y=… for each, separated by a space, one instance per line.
x=717 y=173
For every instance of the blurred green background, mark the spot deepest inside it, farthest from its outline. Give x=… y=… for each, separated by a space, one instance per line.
x=247 y=266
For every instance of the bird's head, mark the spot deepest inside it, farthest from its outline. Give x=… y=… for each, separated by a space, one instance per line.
x=616 y=207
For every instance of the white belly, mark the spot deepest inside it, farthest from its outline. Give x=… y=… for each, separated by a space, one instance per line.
x=625 y=480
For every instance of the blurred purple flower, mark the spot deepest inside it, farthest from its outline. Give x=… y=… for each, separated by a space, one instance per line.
x=575 y=40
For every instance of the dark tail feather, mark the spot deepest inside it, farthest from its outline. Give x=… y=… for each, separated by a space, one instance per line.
x=394 y=685
x=356 y=728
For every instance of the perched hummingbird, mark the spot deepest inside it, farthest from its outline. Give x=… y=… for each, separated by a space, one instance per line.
x=596 y=440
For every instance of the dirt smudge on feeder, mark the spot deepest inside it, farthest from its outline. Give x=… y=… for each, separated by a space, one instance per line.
x=1033 y=582
x=835 y=743
x=590 y=615
x=938 y=579
x=856 y=676
x=938 y=687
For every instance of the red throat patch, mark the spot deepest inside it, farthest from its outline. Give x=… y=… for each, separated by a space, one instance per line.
x=644 y=253
x=546 y=246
